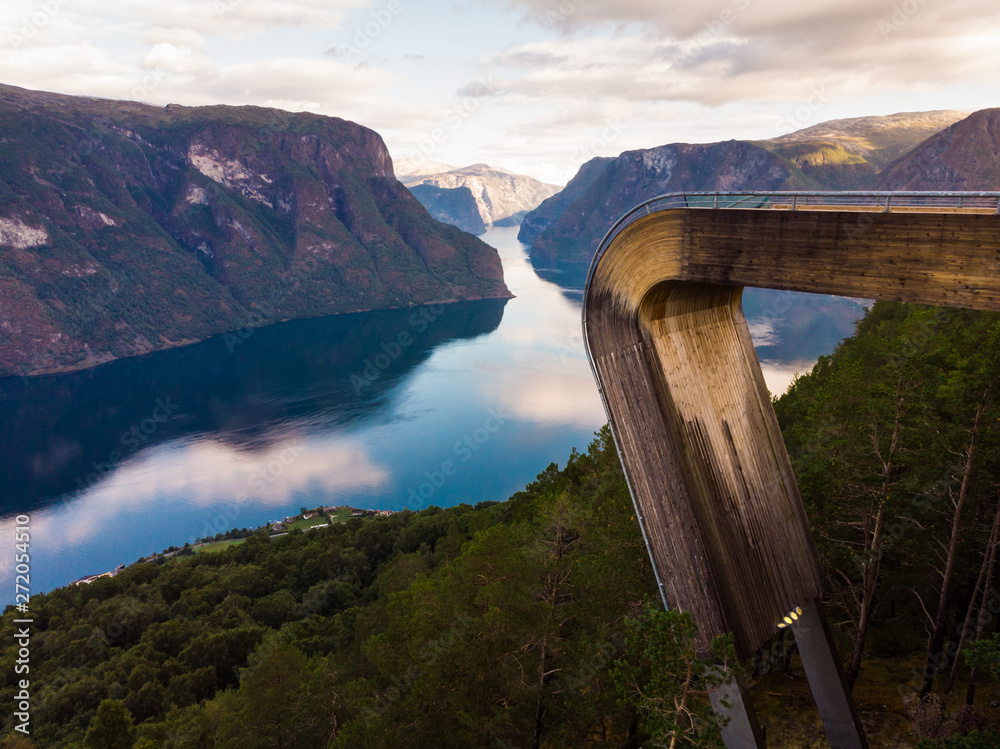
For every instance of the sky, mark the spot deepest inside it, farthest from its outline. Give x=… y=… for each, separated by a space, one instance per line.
x=537 y=87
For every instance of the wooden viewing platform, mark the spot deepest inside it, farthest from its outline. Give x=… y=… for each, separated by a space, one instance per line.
x=713 y=488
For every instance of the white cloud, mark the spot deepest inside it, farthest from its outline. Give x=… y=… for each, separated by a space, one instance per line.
x=153 y=35
x=547 y=399
x=703 y=72
x=213 y=17
x=170 y=74
x=724 y=51
x=171 y=58
x=687 y=70
x=203 y=476
x=731 y=68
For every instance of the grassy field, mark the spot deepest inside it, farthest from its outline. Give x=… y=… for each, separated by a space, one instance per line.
x=341 y=516
x=218 y=546
x=302 y=524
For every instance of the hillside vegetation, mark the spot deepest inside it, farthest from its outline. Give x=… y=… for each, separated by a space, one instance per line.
x=127 y=228
x=534 y=623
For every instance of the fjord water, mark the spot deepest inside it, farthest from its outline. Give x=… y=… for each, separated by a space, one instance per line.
x=407 y=408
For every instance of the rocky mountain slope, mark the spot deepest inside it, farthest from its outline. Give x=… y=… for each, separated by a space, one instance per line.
x=850 y=154
x=639 y=175
x=549 y=211
x=503 y=197
x=451 y=205
x=126 y=228
x=859 y=153
x=965 y=156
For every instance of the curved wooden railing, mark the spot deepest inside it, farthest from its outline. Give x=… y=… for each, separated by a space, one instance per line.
x=868 y=201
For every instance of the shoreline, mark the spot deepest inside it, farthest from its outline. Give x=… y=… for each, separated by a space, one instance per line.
x=92 y=364
x=332 y=515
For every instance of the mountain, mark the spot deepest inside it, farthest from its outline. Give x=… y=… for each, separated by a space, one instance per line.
x=850 y=154
x=451 y=205
x=550 y=209
x=635 y=176
x=965 y=156
x=126 y=228
x=405 y=168
x=503 y=197
x=566 y=229
x=836 y=155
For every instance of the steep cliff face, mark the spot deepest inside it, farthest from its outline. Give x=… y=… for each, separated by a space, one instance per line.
x=965 y=156
x=451 y=205
x=549 y=211
x=503 y=198
x=938 y=150
x=126 y=228
x=639 y=175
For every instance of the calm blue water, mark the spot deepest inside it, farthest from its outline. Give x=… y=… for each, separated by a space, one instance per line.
x=430 y=405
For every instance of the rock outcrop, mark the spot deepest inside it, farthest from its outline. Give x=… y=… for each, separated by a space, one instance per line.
x=451 y=205
x=503 y=198
x=965 y=156
x=126 y=228
x=639 y=175
x=851 y=154
x=859 y=153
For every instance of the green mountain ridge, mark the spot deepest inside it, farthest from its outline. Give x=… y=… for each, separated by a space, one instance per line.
x=635 y=176
x=126 y=228
x=505 y=624
x=851 y=154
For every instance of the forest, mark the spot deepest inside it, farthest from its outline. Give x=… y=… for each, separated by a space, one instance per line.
x=535 y=622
